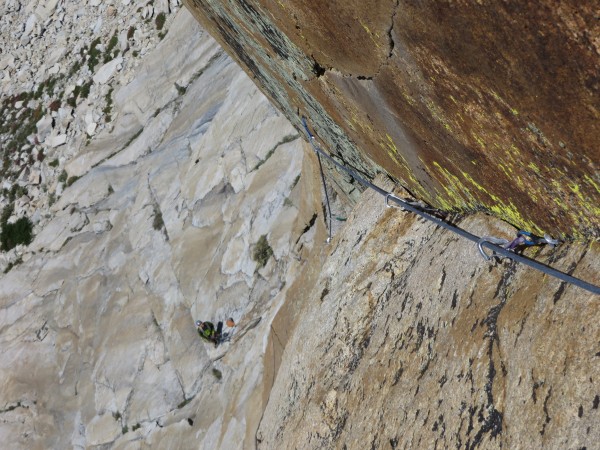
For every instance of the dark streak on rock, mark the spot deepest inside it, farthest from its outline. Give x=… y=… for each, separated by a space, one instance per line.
x=310 y=224
x=474 y=325
x=493 y=422
x=558 y=294
x=397 y=376
x=324 y=293
x=472 y=410
x=547 y=421
x=274 y=37
x=318 y=70
x=443 y=380
x=454 y=299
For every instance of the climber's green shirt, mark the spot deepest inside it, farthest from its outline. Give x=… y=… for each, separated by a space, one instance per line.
x=207 y=332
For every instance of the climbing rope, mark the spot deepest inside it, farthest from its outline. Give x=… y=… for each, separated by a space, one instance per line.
x=326 y=195
x=490 y=243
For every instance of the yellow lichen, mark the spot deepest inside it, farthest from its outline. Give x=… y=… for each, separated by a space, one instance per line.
x=533 y=167
x=589 y=180
x=371 y=35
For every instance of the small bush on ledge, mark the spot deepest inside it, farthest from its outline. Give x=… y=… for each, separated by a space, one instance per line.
x=262 y=252
x=160 y=21
x=13 y=234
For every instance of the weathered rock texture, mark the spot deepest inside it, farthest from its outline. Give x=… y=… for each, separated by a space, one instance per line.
x=470 y=105
x=407 y=339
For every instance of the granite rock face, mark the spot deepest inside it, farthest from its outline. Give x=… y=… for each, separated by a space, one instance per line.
x=470 y=105
x=99 y=347
x=149 y=197
x=407 y=339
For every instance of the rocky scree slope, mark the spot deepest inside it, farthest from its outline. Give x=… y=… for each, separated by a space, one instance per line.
x=471 y=106
x=61 y=64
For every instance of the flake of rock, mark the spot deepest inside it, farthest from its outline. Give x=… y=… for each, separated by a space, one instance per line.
x=18 y=105
x=107 y=71
x=30 y=25
x=36 y=217
x=64 y=116
x=123 y=41
x=148 y=12
x=89 y=117
x=102 y=226
x=162 y=6
x=91 y=129
x=44 y=127
x=95 y=3
x=56 y=141
x=97 y=26
x=102 y=429
x=35 y=177
x=7 y=61
x=56 y=55
x=23 y=75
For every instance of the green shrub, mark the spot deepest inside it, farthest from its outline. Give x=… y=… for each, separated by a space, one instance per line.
x=158 y=222
x=6 y=213
x=50 y=84
x=130 y=32
x=72 y=180
x=53 y=163
x=93 y=54
x=108 y=108
x=13 y=234
x=75 y=68
x=183 y=403
x=262 y=251
x=180 y=89
x=40 y=91
x=85 y=90
x=114 y=40
x=217 y=374
x=135 y=427
x=10 y=265
x=160 y=21
x=63 y=176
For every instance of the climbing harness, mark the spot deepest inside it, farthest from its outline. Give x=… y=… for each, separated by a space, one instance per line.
x=491 y=243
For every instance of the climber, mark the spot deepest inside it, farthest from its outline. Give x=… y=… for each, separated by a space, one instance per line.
x=528 y=239
x=207 y=331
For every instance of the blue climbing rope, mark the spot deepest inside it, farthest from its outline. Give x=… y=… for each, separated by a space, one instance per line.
x=493 y=244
